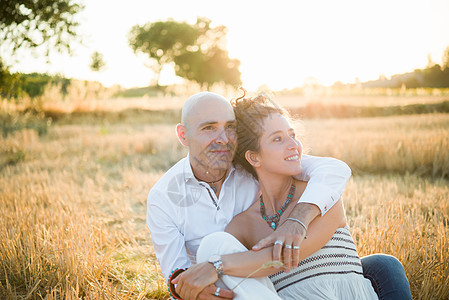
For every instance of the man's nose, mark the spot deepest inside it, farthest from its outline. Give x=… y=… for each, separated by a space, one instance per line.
x=222 y=137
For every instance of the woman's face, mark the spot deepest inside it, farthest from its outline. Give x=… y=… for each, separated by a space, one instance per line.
x=280 y=152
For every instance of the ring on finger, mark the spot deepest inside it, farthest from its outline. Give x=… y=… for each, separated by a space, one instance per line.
x=296 y=247
x=217 y=292
x=288 y=246
x=279 y=242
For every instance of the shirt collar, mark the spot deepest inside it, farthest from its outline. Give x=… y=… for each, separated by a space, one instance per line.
x=188 y=172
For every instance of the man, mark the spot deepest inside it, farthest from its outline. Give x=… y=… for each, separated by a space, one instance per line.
x=204 y=191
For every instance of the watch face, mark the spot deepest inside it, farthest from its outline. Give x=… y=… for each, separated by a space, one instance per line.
x=214 y=258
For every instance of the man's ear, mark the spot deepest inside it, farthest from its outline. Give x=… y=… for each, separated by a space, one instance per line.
x=181 y=133
x=253 y=158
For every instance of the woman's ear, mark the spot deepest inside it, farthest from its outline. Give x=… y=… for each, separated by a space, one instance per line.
x=253 y=158
x=181 y=133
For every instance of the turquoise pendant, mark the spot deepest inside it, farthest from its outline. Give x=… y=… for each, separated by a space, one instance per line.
x=273 y=225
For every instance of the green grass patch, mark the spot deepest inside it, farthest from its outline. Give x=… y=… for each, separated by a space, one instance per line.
x=30 y=119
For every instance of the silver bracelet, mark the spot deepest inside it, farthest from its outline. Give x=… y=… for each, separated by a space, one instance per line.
x=303 y=225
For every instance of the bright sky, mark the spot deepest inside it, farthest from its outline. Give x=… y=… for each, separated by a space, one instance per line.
x=279 y=43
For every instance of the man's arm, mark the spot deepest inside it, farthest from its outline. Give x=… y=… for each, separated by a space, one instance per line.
x=327 y=178
x=169 y=246
x=168 y=242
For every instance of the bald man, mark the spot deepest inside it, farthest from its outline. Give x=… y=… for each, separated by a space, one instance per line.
x=201 y=193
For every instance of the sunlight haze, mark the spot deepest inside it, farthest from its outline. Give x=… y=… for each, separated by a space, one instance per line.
x=279 y=44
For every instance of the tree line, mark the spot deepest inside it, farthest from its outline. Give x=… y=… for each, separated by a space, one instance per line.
x=434 y=76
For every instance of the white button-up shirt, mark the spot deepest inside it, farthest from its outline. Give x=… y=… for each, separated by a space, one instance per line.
x=182 y=210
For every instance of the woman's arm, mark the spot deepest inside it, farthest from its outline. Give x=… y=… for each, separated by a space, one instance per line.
x=319 y=233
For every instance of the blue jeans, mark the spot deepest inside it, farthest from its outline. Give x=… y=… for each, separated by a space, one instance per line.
x=387 y=276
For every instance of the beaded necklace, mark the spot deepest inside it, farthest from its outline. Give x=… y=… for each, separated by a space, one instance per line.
x=273 y=220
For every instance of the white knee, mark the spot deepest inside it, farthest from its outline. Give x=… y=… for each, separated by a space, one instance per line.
x=218 y=243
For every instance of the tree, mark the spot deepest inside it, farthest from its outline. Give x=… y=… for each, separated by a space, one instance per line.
x=198 y=51
x=445 y=64
x=208 y=68
x=430 y=62
x=97 y=63
x=162 y=41
x=33 y=23
x=10 y=86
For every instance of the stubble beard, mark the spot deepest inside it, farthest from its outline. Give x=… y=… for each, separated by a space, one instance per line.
x=213 y=163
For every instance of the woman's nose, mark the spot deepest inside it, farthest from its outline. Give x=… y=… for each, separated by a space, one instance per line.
x=295 y=144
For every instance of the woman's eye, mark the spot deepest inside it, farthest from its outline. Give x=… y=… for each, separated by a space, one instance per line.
x=207 y=128
x=293 y=135
x=277 y=139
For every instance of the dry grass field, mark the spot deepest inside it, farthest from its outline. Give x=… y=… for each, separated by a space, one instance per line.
x=73 y=200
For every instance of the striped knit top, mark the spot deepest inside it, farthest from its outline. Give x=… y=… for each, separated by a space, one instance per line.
x=337 y=260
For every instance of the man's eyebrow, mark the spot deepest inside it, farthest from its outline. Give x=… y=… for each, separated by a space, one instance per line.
x=214 y=122
x=207 y=123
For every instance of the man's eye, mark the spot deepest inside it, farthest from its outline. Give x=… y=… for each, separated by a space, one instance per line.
x=231 y=126
x=293 y=135
x=208 y=128
x=277 y=139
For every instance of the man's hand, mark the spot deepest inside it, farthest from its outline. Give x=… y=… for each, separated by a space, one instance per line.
x=290 y=234
x=209 y=293
x=190 y=283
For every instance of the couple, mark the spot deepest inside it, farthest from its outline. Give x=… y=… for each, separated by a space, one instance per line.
x=203 y=193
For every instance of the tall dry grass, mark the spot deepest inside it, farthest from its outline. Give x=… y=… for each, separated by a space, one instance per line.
x=74 y=213
x=408 y=217
x=73 y=208
x=400 y=144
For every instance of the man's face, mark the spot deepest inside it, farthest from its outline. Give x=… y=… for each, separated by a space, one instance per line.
x=211 y=136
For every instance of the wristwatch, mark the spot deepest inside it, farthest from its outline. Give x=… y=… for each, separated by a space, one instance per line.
x=215 y=260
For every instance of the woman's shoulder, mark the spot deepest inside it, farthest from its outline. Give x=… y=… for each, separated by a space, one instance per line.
x=239 y=220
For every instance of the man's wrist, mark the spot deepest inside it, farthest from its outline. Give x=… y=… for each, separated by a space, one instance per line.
x=171 y=287
x=306 y=212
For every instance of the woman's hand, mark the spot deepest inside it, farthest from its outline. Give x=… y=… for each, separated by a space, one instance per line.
x=289 y=235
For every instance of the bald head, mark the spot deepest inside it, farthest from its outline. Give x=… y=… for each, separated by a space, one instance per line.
x=208 y=130
x=198 y=102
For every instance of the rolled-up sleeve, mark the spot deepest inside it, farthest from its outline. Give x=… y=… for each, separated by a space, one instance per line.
x=327 y=178
x=168 y=241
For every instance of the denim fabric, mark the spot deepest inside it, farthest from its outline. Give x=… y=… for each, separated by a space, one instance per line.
x=387 y=276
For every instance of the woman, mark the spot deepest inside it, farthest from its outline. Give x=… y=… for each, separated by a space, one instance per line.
x=269 y=150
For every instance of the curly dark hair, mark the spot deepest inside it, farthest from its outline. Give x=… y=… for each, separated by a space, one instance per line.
x=250 y=114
